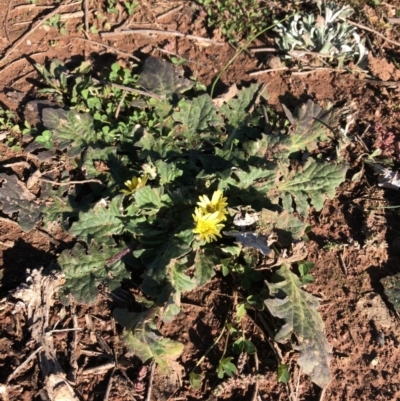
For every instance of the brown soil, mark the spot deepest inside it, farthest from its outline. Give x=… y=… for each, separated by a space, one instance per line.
x=354 y=241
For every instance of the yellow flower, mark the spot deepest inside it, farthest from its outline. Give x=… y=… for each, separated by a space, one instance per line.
x=208 y=225
x=134 y=184
x=216 y=204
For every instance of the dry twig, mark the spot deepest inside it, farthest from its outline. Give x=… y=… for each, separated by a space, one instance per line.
x=23 y=364
x=169 y=12
x=73 y=359
x=153 y=368
x=86 y=9
x=70 y=182
x=365 y=28
x=107 y=47
x=253 y=74
x=106 y=35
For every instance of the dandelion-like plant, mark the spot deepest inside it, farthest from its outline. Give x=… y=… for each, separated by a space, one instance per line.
x=217 y=204
x=134 y=184
x=209 y=216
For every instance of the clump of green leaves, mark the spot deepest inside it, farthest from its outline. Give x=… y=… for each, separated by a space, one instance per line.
x=56 y=22
x=329 y=34
x=179 y=145
x=237 y=19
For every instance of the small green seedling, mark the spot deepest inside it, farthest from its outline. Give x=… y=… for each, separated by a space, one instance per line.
x=304 y=270
x=226 y=367
x=46 y=139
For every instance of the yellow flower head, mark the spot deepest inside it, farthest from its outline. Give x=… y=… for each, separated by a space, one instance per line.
x=216 y=204
x=208 y=225
x=134 y=184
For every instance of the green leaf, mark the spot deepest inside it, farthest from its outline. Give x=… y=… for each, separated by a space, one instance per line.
x=148 y=198
x=148 y=344
x=69 y=127
x=243 y=345
x=299 y=311
x=287 y=226
x=168 y=172
x=156 y=260
x=85 y=270
x=204 y=265
x=180 y=281
x=245 y=179
x=391 y=287
x=160 y=77
x=226 y=367
x=311 y=183
x=196 y=380
x=196 y=115
x=283 y=373
x=100 y=221
x=236 y=110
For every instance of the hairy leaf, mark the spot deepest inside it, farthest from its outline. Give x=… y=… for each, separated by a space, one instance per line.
x=167 y=171
x=69 y=127
x=312 y=183
x=149 y=198
x=85 y=269
x=285 y=224
x=100 y=221
x=236 y=112
x=391 y=287
x=161 y=77
x=204 y=264
x=148 y=344
x=246 y=179
x=299 y=311
x=14 y=197
x=196 y=115
x=156 y=260
x=309 y=124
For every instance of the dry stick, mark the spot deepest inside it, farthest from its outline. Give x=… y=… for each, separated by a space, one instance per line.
x=86 y=8
x=22 y=366
x=160 y=32
x=120 y=104
x=153 y=367
x=67 y=16
x=41 y=22
x=108 y=390
x=108 y=47
x=70 y=182
x=173 y=10
x=253 y=74
x=298 y=384
x=73 y=360
x=255 y=391
x=365 y=28
x=138 y=91
x=30 y=6
x=5 y=21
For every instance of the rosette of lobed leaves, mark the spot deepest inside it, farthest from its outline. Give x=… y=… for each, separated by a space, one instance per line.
x=327 y=34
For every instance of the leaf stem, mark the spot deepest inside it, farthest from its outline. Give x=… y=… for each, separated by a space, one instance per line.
x=242 y=49
x=209 y=349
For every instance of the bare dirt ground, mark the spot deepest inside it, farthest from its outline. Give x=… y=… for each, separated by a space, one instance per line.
x=354 y=241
